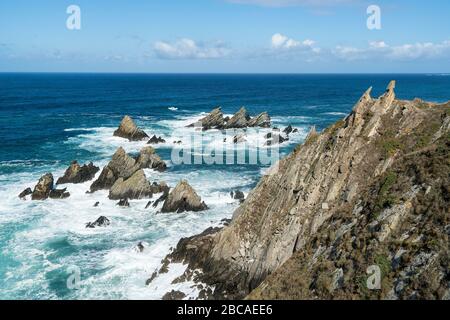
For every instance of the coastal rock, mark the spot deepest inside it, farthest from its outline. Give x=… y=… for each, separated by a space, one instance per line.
x=282 y=234
x=149 y=159
x=183 y=198
x=78 y=174
x=100 y=222
x=25 y=193
x=129 y=130
x=262 y=120
x=123 y=203
x=156 y=140
x=238 y=120
x=121 y=166
x=59 y=194
x=288 y=129
x=162 y=198
x=174 y=295
x=96 y=204
x=237 y=194
x=214 y=120
x=274 y=139
x=43 y=187
x=135 y=187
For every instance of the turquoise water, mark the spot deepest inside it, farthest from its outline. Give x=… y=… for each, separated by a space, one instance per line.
x=47 y=120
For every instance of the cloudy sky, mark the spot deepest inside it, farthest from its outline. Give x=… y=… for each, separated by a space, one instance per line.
x=240 y=36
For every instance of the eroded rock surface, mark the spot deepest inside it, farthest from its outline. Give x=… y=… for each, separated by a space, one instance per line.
x=360 y=193
x=129 y=130
x=78 y=174
x=183 y=198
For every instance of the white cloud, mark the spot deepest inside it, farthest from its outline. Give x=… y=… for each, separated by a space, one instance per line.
x=282 y=42
x=381 y=50
x=189 y=49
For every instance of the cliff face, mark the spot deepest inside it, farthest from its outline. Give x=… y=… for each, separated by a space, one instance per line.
x=373 y=189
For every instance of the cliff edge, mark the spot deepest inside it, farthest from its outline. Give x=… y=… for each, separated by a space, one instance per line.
x=371 y=191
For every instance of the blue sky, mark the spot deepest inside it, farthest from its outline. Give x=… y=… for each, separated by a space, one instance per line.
x=255 y=36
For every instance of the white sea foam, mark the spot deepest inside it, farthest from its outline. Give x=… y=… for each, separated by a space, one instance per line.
x=55 y=236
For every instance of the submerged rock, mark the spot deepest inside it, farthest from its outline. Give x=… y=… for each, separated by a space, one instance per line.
x=100 y=222
x=43 y=187
x=78 y=174
x=140 y=247
x=25 y=193
x=275 y=139
x=123 y=203
x=156 y=140
x=59 y=194
x=237 y=194
x=288 y=129
x=96 y=204
x=149 y=159
x=183 y=198
x=129 y=130
x=135 y=187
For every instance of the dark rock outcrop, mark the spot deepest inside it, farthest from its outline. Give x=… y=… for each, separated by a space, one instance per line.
x=134 y=187
x=100 y=222
x=288 y=129
x=43 y=187
x=183 y=198
x=25 y=193
x=78 y=174
x=129 y=130
x=59 y=194
x=275 y=139
x=237 y=194
x=123 y=203
x=239 y=138
x=174 y=295
x=156 y=140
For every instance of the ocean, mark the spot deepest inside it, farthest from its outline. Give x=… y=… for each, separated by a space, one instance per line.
x=48 y=120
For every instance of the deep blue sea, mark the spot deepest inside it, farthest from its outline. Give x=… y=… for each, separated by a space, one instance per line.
x=48 y=120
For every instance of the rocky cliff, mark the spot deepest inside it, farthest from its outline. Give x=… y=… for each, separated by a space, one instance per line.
x=371 y=190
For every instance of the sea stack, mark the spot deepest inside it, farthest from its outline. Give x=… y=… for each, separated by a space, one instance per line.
x=78 y=174
x=183 y=198
x=129 y=130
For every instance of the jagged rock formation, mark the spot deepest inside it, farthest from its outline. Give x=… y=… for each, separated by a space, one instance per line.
x=100 y=222
x=59 y=194
x=124 y=166
x=241 y=119
x=134 y=187
x=123 y=203
x=273 y=139
x=238 y=120
x=183 y=198
x=129 y=130
x=149 y=159
x=239 y=138
x=121 y=166
x=43 y=187
x=214 y=120
x=371 y=190
x=262 y=120
x=156 y=140
x=78 y=174
x=25 y=193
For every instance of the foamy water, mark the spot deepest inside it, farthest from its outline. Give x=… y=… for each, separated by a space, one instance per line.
x=47 y=239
